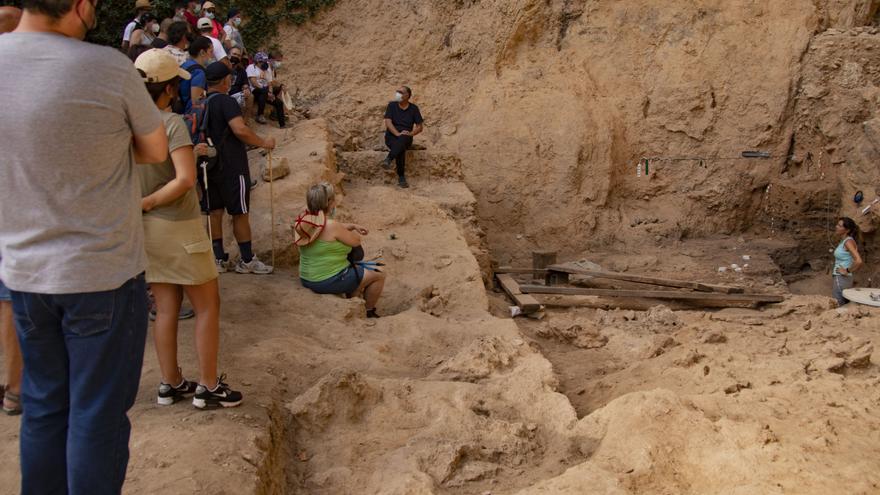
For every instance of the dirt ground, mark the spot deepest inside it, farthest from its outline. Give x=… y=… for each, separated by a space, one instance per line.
x=446 y=393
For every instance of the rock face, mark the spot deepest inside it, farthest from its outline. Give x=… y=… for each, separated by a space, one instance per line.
x=550 y=104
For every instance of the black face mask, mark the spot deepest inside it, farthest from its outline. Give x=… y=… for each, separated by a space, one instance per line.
x=263 y=65
x=234 y=60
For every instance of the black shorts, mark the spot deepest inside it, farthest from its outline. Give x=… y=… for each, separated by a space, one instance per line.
x=227 y=189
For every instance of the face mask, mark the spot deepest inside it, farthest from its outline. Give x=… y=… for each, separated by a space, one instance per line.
x=209 y=15
x=234 y=60
x=398 y=96
x=155 y=29
x=277 y=65
x=333 y=212
x=263 y=65
x=197 y=9
x=237 y=21
x=180 y=13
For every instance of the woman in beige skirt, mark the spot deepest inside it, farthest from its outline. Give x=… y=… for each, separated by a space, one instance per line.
x=178 y=248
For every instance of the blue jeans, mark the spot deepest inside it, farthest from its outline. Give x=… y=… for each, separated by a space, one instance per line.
x=82 y=365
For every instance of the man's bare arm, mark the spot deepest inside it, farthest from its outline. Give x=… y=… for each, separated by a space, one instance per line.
x=391 y=128
x=248 y=136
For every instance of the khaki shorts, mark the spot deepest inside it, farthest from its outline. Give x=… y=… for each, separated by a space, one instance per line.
x=178 y=252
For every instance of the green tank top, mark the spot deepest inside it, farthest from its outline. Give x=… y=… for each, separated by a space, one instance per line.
x=321 y=260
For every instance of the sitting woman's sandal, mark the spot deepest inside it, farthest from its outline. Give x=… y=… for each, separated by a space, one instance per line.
x=15 y=400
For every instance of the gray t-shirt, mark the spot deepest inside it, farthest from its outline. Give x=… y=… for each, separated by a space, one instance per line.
x=70 y=215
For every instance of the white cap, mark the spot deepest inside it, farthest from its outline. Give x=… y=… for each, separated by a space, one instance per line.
x=204 y=23
x=159 y=66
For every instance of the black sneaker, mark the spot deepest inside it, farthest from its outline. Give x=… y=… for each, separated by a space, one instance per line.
x=221 y=396
x=169 y=394
x=386 y=164
x=403 y=184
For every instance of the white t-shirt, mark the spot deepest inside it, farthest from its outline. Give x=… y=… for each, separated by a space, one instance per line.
x=219 y=52
x=264 y=77
x=129 y=28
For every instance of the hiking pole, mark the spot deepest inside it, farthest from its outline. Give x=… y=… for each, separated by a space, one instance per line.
x=207 y=198
x=272 y=204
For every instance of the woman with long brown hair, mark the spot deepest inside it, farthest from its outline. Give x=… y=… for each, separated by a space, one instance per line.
x=846 y=257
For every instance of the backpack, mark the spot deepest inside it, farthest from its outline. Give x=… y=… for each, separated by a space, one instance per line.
x=197 y=123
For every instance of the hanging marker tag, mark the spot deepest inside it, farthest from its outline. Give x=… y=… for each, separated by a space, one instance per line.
x=639 y=169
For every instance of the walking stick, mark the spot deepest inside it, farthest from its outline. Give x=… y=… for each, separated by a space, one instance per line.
x=272 y=204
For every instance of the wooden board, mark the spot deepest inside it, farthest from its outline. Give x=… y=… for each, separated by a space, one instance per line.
x=527 y=303
x=517 y=271
x=862 y=295
x=663 y=282
x=653 y=294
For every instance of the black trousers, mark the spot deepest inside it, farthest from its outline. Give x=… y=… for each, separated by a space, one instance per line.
x=261 y=96
x=398 y=146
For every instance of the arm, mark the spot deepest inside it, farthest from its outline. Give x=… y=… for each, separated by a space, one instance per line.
x=857 y=258
x=391 y=128
x=151 y=147
x=342 y=234
x=417 y=129
x=136 y=38
x=184 y=180
x=247 y=136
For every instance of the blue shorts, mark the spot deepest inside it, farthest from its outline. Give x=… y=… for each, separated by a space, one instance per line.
x=4 y=292
x=345 y=282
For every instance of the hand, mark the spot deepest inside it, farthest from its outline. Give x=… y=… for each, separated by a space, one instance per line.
x=843 y=271
x=360 y=230
x=405 y=133
x=269 y=143
x=147 y=204
x=201 y=149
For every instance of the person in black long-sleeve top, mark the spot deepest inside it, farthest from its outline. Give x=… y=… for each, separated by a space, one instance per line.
x=403 y=121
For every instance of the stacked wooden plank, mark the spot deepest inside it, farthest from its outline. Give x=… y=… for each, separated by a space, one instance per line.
x=690 y=292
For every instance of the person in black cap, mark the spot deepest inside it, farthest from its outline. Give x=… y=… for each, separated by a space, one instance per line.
x=229 y=188
x=403 y=121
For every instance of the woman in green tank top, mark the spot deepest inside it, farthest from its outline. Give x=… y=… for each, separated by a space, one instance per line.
x=324 y=247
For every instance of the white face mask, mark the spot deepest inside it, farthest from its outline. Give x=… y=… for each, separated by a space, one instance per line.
x=197 y=9
x=237 y=21
x=155 y=29
x=398 y=96
x=209 y=15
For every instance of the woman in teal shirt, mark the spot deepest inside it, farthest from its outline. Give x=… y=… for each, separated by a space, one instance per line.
x=846 y=257
x=324 y=248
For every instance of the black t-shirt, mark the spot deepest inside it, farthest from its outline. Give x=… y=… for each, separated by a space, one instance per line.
x=239 y=79
x=403 y=120
x=233 y=154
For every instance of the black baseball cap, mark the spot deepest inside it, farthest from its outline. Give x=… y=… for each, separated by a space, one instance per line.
x=216 y=71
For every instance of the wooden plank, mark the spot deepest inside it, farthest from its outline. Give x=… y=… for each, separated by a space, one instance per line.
x=652 y=294
x=527 y=303
x=640 y=279
x=518 y=271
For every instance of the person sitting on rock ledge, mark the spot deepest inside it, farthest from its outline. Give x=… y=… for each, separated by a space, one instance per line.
x=403 y=121
x=326 y=249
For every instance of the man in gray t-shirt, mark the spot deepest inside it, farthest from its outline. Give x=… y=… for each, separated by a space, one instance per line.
x=74 y=119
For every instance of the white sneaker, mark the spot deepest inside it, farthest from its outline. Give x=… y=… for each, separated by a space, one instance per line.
x=255 y=266
x=221 y=265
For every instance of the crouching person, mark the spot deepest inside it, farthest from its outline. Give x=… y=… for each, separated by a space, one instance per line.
x=328 y=252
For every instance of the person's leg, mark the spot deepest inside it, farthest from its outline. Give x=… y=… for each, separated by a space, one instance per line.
x=841 y=283
x=11 y=355
x=241 y=228
x=260 y=96
x=205 y=299
x=372 y=285
x=44 y=394
x=403 y=143
x=278 y=104
x=168 y=299
x=216 y=219
x=105 y=334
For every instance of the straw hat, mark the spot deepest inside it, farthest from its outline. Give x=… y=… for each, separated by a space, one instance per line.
x=308 y=226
